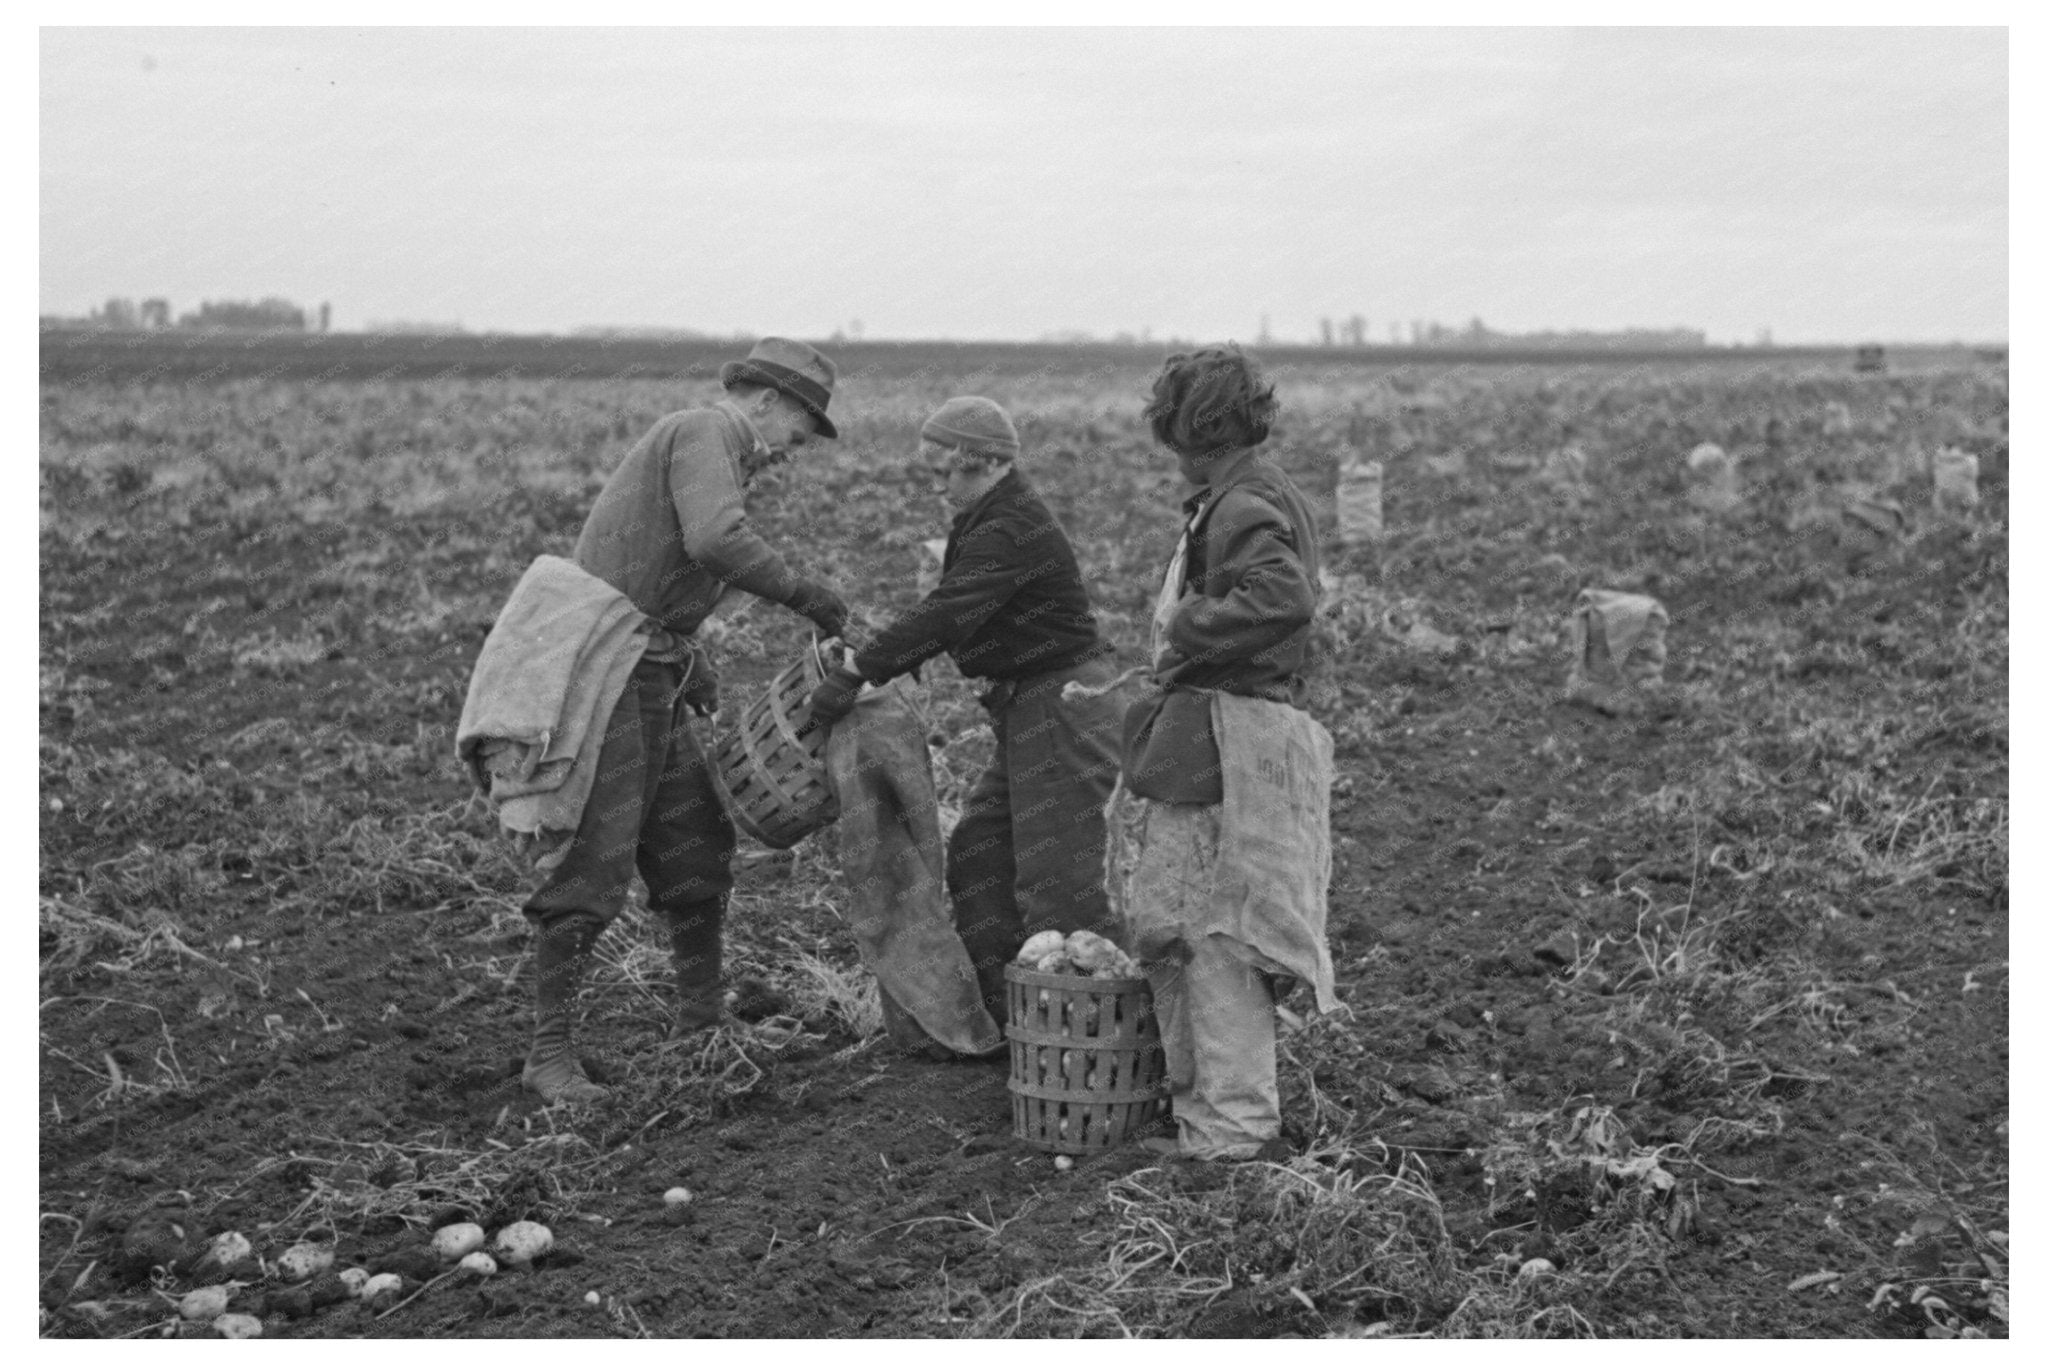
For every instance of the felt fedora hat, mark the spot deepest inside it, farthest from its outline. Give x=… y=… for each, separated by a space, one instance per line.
x=790 y=367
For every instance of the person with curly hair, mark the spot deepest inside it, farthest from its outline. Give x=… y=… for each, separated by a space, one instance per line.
x=1219 y=859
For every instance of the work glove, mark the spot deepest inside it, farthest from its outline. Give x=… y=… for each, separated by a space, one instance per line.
x=834 y=697
x=825 y=608
x=700 y=684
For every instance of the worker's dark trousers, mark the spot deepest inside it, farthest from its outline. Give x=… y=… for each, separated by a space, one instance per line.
x=653 y=809
x=1027 y=853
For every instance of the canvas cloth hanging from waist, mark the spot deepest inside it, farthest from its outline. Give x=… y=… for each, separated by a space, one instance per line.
x=1266 y=886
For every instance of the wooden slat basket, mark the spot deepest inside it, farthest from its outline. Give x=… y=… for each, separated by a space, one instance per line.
x=770 y=774
x=1086 y=1067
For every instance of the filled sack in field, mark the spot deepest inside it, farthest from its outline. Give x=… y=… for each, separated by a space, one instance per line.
x=1716 y=482
x=1617 y=649
x=1955 y=481
x=1360 y=484
x=1316 y=471
x=894 y=864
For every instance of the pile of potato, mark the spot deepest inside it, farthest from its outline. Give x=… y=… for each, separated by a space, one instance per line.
x=1080 y=953
x=302 y=1279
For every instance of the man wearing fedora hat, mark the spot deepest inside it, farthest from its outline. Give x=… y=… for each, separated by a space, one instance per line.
x=1011 y=610
x=670 y=532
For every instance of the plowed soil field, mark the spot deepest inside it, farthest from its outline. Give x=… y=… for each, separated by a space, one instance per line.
x=1687 y=1020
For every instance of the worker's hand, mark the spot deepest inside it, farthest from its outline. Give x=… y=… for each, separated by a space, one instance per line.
x=700 y=687
x=825 y=608
x=834 y=697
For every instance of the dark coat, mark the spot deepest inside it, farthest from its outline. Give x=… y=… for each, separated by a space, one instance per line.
x=1245 y=625
x=1009 y=604
x=1253 y=565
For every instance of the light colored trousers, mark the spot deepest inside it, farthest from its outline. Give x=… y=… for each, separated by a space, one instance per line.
x=1216 y=1020
x=1213 y=994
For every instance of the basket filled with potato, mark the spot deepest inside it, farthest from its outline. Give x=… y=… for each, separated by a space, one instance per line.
x=1086 y=1067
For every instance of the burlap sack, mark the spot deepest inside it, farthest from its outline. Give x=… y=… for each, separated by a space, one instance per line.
x=1955 y=481
x=1359 y=486
x=1716 y=482
x=893 y=859
x=1253 y=871
x=1617 y=649
x=1316 y=473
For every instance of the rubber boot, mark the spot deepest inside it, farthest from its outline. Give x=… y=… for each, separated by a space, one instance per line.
x=561 y=959
x=696 y=942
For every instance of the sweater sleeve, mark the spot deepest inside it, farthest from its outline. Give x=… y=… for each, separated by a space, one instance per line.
x=1251 y=550
x=986 y=573
x=713 y=515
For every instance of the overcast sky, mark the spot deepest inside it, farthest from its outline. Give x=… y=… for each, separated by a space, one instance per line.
x=1827 y=184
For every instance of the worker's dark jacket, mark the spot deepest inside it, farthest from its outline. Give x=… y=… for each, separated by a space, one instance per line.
x=1245 y=626
x=1028 y=851
x=1254 y=561
x=1009 y=604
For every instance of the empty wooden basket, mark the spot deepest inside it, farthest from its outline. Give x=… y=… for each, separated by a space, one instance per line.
x=1086 y=1067
x=770 y=774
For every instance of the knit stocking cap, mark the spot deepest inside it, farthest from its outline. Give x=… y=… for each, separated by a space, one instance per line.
x=973 y=426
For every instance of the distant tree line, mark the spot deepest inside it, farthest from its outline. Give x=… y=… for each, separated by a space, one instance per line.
x=609 y=333
x=214 y=315
x=1476 y=335
x=414 y=327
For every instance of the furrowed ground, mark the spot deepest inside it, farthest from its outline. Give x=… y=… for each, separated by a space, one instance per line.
x=1690 y=1021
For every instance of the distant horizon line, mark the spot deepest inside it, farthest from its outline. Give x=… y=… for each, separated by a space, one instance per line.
x=658 y=335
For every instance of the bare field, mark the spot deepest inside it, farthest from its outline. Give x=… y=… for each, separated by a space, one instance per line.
x=1691 y=1021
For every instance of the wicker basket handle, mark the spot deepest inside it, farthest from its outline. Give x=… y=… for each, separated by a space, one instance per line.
x=829 y=651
